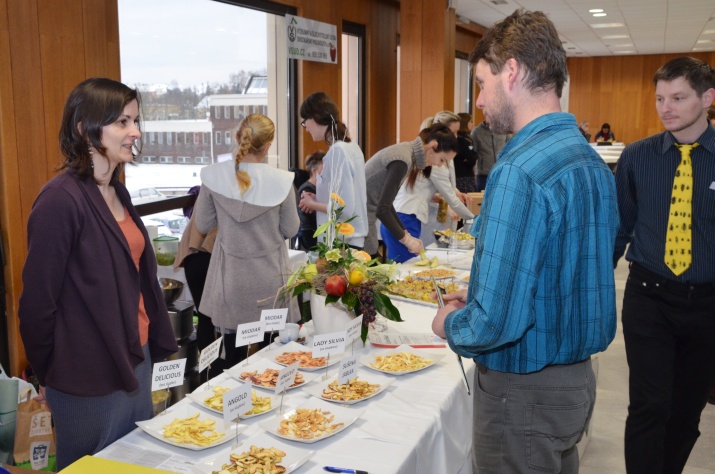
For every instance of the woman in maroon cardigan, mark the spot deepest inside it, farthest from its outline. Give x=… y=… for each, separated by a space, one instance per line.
x=92 y=314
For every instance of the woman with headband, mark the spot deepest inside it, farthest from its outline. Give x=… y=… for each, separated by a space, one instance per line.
x=343 y=166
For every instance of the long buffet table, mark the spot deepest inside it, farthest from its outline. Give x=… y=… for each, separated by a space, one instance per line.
x=421 y=423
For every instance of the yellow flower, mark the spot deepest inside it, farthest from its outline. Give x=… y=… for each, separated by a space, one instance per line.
x=345 y=229
x=332 y=255
x=337 y=199
x=361 y=255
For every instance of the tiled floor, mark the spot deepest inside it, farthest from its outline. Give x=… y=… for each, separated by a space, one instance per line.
x=604 y=454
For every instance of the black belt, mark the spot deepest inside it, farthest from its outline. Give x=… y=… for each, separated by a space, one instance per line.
x=689 y=290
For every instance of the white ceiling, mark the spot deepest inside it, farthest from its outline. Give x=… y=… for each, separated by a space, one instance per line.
x=629 y=27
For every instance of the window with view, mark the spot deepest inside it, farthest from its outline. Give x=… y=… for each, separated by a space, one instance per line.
x=200 y=67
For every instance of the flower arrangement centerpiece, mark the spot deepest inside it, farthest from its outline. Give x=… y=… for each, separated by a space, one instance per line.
x=346 y=277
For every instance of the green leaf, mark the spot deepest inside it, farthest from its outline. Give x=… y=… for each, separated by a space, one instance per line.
x=363 y=334
x=331 y=299
x=384 y=306
x=301 y=288
x=349 y=299
x=322 y=229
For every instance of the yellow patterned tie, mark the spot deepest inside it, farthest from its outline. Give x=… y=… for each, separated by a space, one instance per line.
x=678 y=239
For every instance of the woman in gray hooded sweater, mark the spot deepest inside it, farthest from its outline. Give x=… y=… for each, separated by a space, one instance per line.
x=254 y=207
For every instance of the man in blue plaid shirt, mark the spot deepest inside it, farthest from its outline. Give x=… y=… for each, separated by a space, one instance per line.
x=541 y=298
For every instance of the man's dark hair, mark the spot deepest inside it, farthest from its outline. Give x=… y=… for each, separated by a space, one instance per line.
x=531 y=39
x=699 y=74
x=313 y=160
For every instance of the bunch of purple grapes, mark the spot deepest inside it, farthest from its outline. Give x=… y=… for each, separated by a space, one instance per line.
x=366 y=296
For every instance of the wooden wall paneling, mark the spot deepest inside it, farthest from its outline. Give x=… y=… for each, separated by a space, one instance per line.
x=448 y=54
x=100 y=20
x=11 y=216
x=619 y=90
x=62 y=67
x=411 y=113
x=381 y=77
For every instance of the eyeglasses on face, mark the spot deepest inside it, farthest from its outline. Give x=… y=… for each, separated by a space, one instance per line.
x=302 y=124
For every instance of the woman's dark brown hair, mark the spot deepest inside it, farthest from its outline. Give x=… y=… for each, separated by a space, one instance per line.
x=446 y=141
x=92 y=105
x=321 y=108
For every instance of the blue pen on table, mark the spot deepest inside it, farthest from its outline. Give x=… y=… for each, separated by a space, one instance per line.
x=344 y=470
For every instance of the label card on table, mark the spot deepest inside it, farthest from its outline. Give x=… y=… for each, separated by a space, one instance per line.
x=286 y=377
x=331 y=343
x=348 y=369
x=168 y=374
x=210 y=354
x=249 y=333
x=275 y=319
x=354 y=329
x=236 y=402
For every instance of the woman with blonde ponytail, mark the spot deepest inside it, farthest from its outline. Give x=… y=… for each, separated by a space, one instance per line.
x=254 y=207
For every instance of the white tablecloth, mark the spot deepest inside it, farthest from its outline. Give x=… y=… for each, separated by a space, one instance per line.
x=423 y=421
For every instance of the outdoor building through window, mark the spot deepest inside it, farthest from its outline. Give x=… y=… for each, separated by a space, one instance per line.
x=201 y=66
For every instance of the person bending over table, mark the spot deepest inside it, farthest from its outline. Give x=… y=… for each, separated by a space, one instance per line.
x=386 y=170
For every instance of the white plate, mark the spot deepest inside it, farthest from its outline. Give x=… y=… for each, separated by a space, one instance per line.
x=155 y=427
x=316 y=389
x=368 y=359
x=295 y=456
x=342 y=414
x=295 y=347
x=260 y=365
x=199 y=397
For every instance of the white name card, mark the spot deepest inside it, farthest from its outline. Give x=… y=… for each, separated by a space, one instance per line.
x=168 y=374
x=286 y=377
x=236 y=402
x=331 y=343
x=348 y=369
x=210 y=354
x=275 y=319
x=249 y=333
x=354 y=329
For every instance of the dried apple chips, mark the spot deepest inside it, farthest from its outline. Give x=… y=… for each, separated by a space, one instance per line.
x=257 y=460
x=269 y=378
x=353 y=390
x=308 y=423
x=400 y=362
x=192 y=430
x=304 y=357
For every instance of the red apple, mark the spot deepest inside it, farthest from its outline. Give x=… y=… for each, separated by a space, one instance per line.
x=336 y=285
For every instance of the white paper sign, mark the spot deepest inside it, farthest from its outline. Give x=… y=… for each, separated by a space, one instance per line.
x=286 y=377
x=331 y=343
x=41 y=424
x=210 y=354
x=275 y=319
x=249 y=333
x=168 y=374
x=348 y=369
x=311 y=40
x=354 y=329
x=40 y=454
x=236 y=402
